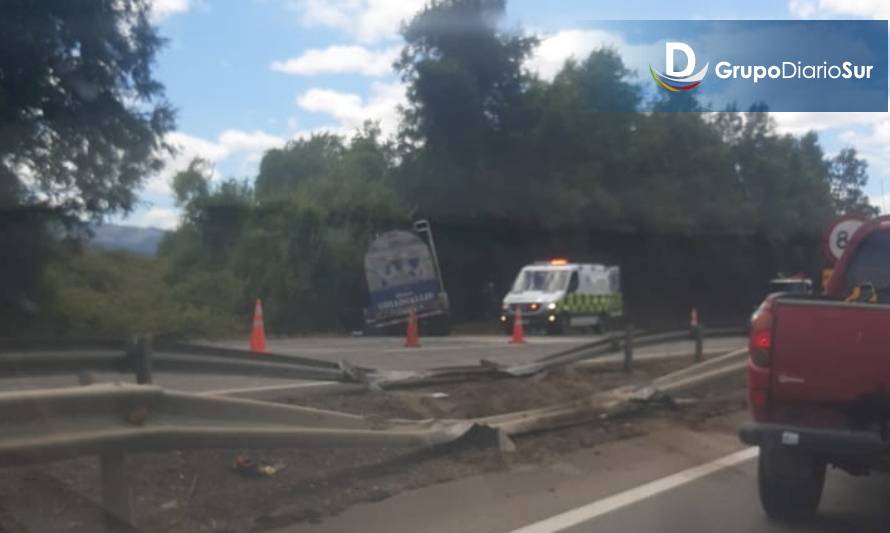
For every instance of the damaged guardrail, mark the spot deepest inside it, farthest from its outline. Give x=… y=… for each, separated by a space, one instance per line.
x=140 y=356
x=614 y=343
x=617 y=401
x=111 y=420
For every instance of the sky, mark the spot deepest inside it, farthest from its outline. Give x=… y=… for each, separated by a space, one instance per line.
x=249 y=75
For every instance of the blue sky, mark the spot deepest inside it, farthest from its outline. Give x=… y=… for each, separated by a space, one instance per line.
x=247 y=75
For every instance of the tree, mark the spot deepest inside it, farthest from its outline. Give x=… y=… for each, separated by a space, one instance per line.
x=82 y=121
x=465 y=105
x=848 y=174
x=82 y=117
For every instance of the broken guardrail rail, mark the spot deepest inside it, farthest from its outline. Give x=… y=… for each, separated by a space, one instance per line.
x=111 y=420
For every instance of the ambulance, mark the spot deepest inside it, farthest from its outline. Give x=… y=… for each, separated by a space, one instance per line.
x=557 y=295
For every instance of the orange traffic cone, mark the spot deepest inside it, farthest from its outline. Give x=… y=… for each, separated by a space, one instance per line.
x=693 y=318
x=518 y=333
x=258 y=331
x=411 y=340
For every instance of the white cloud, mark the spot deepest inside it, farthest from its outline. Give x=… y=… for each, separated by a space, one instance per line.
x=554 y=49
x=876 y=9
x=248 y=141
x=340 y=60
x=800 y=123
x=248 y=144
x=161 y=9
x=351 y=110
x=881 y=201
x=368 y=21
x=873 y=144
x=166 y=218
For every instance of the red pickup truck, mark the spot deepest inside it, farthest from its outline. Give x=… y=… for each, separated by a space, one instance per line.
x=819 y=379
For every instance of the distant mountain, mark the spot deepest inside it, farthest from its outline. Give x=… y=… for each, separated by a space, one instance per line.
x=133 y=239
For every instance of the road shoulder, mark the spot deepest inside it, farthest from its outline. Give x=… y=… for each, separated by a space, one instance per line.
x=526 y=493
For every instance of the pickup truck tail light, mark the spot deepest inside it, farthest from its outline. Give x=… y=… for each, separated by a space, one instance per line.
x=760 y=345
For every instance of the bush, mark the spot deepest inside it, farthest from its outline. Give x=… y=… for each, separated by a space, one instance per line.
x=114 y=294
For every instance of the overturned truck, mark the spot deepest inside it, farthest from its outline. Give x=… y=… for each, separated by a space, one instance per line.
x=402 y=272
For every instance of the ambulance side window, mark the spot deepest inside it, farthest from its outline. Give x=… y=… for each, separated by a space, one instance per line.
x=573 y=283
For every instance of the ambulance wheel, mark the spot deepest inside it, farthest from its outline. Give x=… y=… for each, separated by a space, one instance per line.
x=560 y=326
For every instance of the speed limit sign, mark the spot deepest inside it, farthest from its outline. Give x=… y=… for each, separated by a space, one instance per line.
x=838 y=234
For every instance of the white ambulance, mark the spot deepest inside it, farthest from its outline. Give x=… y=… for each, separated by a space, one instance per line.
x=557 y=295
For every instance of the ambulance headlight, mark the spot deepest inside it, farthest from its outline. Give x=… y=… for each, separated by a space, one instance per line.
x=551 y=306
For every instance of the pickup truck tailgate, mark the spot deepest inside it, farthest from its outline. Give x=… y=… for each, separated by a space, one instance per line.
x=828 y=352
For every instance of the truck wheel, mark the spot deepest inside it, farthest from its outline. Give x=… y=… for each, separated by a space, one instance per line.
x=790 y=483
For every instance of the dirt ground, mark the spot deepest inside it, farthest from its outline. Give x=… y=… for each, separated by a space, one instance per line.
x=199 y=490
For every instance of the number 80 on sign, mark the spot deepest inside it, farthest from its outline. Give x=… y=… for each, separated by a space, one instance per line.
x=838 y=234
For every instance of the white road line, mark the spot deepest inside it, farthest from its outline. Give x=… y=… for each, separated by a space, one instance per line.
x=616 y=501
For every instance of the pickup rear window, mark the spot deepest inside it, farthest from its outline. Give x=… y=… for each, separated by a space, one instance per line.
x=871 y=264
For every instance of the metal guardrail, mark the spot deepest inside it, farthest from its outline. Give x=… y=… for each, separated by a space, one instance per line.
x=54 y=424
x=36 y=357
x=40 y=426
x=110 y=420
x=30 y=357
x=616 y=342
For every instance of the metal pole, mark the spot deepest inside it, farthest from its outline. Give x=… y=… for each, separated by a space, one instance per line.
x=628 y=348
x=139 y=353
x=423 y=226
x=697 y=336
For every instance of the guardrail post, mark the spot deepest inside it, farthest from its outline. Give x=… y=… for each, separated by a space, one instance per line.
x=697 y=337
x=139 y=355
x=628 y=348
x=116 y=500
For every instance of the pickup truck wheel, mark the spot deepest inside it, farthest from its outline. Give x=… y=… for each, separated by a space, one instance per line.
x=790 y=483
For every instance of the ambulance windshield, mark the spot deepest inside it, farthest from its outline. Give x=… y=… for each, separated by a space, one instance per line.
x=543 y=280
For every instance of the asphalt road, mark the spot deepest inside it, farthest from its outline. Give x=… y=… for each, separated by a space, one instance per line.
x=726 y=501
x=669 y=479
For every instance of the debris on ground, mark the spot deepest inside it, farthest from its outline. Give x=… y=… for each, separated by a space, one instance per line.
x=247 y=467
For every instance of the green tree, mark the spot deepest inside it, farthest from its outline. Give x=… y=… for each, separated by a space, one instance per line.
x=82 y=121
x=82 y=116
x=848 y=174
